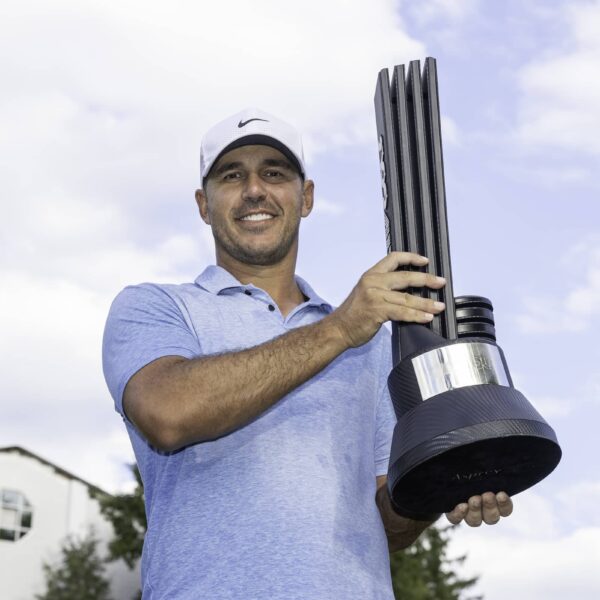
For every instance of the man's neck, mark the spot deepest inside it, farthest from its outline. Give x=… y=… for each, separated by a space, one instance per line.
x=277 y=280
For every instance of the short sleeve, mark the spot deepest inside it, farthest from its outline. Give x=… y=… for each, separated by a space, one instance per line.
x=144 y=323
x=385 y=415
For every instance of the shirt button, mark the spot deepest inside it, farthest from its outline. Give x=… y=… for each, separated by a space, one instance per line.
x=271 y=307
x=248 y=292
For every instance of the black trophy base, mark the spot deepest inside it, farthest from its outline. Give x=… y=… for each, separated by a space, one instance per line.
x=501 y=446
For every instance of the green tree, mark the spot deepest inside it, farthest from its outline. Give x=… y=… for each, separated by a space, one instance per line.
x=80 y=573
x=127 y=515
x=424 y=572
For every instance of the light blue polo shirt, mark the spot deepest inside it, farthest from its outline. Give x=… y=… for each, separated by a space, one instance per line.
x=284 y=507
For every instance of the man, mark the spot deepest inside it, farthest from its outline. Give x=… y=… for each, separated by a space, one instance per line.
x=259 y=415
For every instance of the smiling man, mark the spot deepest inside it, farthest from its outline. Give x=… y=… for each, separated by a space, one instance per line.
x=258 y=413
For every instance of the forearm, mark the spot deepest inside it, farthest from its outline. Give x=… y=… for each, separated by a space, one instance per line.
x=401 y=532
x=201 y=399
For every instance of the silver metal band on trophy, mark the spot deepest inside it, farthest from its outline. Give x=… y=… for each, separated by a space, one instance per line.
x=460 y=365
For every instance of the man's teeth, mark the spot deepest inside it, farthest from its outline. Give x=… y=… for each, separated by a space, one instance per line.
x=258 y=217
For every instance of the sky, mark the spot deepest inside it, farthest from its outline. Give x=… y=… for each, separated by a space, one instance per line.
x=102 y=108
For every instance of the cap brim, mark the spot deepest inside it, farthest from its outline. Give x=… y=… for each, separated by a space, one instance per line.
x=258 y=140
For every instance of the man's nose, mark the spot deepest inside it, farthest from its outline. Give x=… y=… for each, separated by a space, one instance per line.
x=254 y=188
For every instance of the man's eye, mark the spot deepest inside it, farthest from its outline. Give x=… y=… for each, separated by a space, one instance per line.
x=231 y=176
x=273 y=173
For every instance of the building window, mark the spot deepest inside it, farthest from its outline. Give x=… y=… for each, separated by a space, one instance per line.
x=16 y=515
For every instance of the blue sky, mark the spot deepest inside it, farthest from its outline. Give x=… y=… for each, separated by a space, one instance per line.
x=101 y=112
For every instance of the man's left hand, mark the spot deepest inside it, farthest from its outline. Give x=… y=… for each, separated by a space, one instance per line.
x=487 y=508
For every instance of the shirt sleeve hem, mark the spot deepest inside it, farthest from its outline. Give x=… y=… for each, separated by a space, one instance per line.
x=140 y=364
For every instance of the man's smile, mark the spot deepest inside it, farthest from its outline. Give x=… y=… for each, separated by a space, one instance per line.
x=257 y=217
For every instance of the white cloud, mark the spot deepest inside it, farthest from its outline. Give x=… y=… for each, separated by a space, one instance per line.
x=564 y=566
x=453 y=11
x=450 y=132
x=561 y=92
x=101 y=458
x=189 y=66
x=534 y=517
x=578 y=305
x=327 y=207
x=580 y=503
x=549 y=176
x=104 y=106
x=552 y=407
x=443 y=23
x=101 y=112
x=581 y=398
x=547 y=315
x=52 y=329
x=592 y=388
x=530 y=555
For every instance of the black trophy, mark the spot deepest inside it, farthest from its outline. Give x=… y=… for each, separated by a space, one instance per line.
x=463 y=428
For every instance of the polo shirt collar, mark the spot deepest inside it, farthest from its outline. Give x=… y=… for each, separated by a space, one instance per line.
x=216 y=280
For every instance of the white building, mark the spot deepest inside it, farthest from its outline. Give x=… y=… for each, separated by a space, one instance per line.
x=40 y=505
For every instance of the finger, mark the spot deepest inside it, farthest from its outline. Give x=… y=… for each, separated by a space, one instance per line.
x=458 y=514
x=490 y=510
x=411 y=301
x=398 y=259
x=474 y=517
x=401 y=280
x=398 y=312
x=505 y=504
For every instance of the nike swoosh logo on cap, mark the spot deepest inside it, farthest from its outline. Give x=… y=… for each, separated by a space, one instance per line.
x=244 y=123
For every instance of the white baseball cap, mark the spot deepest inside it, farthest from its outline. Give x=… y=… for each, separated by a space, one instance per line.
x=250 y=126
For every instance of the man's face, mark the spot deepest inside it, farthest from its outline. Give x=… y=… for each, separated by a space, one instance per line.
x=254 y=200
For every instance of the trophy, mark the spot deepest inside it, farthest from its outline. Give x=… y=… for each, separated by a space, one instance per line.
x=463 y=428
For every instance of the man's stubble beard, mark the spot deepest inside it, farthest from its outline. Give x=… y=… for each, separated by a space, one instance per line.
x=257 y=256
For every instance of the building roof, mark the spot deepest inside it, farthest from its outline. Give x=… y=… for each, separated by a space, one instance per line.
x=56 y=468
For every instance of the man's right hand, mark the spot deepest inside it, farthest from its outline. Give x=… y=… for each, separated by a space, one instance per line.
x=380 y=296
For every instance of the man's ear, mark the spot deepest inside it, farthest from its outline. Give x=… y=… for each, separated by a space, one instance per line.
x=202 y=203
x=308 y=196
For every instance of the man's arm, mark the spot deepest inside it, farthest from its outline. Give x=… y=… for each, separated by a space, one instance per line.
x=402 y=532
x=175 y=401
